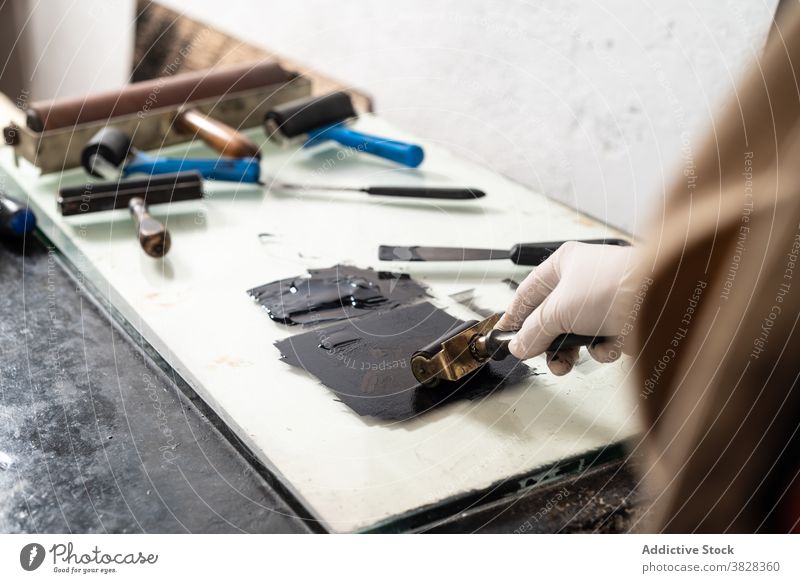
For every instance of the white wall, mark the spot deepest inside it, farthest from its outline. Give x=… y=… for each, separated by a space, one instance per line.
x=588 y=102
x=592 y=103
x=72 y=47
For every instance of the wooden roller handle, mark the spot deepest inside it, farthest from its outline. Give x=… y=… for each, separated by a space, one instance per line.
x=153 y=236
x=223 y=138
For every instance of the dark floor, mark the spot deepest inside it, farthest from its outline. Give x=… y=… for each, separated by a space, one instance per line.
x=94 y=437
x=599 y=500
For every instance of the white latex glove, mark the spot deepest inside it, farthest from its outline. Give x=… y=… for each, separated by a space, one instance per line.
x=582 y=289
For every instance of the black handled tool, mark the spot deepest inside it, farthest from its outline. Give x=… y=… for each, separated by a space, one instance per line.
x=470 y=346
x=110 y=155
x=321 y=118
x=400 y=191
x=521 y=253
x=135 y=195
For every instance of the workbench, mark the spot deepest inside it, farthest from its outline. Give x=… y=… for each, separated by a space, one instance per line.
x=326 y=465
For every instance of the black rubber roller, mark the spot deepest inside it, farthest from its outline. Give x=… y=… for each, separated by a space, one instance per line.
x=110 y=144
x=434 y=347
x=301 y=115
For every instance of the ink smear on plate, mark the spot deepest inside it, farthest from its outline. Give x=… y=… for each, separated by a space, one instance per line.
x=366 y=362
x=335 y=293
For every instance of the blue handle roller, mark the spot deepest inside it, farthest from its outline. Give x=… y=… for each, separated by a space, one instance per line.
x=409 y=155
x=16 y=219
x=246 y=170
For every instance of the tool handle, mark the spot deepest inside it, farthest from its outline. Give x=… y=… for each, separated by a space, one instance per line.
x=409 y=155
x=233 y=170
x=153 y=236
x=16 y=220
x=497 y=342
x=105 y=196
x=426 y=192
x=564 y=341
x=223 y=138
x=536 y=253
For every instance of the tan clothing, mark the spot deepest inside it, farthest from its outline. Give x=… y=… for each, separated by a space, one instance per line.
x=718 y=337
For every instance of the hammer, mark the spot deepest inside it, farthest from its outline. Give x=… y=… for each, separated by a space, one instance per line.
x=317 y=119
x=135 y=195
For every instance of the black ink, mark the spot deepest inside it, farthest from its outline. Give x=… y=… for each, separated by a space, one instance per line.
x=338 y=340
x=366 y=362
x=335 y=293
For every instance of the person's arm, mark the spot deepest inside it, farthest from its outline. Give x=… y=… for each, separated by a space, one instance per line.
x=717 y=327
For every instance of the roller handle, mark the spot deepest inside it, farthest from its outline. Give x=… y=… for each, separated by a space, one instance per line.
x=223 y=138
x=111 y=146
x=423 y=192
x=246 y=170
x=496 y=342
x=16 y=220
x=536 y=253
x=409 y=155
x=153 y=236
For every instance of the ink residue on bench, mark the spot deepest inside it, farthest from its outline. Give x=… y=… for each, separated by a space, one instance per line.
x=335 y=293
x=366 y=362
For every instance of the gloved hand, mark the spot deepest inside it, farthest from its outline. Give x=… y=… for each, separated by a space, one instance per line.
x=581 y=288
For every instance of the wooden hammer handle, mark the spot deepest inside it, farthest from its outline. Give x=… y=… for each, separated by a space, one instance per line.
x=223 y=138
x=153 y=236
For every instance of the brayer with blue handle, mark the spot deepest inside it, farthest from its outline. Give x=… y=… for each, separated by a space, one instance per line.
x=109 y=155
x=16 y=219
x=321 y=118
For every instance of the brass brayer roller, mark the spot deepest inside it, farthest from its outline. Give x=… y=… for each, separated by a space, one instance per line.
x=470 y=346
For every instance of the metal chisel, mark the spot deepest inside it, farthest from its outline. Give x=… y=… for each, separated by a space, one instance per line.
x=521 y=253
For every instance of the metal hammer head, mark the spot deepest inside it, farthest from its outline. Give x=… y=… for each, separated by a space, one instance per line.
x=296 y=118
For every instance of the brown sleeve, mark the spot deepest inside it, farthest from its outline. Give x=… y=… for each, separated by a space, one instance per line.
x=718 y=349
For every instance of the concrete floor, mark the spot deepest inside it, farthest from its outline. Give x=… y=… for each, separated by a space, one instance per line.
x=94 y=437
